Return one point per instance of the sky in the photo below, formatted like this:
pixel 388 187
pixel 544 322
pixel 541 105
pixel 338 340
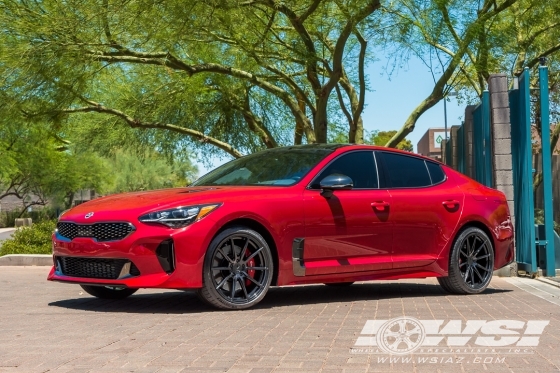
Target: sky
pixel 389 101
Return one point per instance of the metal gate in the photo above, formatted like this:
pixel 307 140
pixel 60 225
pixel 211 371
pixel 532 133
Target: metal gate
pixel 529 247
pixel 521 147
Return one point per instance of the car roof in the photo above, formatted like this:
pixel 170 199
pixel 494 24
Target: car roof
pixel 345 147
pixel 393 150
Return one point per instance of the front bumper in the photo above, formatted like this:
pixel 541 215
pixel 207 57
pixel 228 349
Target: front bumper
pixel 140 248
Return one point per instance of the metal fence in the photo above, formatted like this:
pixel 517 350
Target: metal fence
pixel 539 192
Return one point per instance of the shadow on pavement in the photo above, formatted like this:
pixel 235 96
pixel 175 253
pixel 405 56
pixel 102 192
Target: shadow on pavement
pixel 178 302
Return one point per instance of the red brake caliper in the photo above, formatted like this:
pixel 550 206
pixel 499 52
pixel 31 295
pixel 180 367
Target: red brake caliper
pixel 250 263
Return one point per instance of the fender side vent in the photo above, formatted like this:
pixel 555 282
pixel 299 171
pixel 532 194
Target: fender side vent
pixel 166 255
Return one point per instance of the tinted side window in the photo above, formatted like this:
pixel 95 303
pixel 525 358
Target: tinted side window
pixel 405 172
pixel 436 172
pixel 359 166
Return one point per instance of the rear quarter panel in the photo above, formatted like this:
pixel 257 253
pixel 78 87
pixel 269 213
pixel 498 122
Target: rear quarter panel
pixel 487 207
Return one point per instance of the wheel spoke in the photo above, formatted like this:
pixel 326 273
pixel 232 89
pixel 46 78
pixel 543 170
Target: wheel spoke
pixel 478 273
pixel 462 252
pixel 408 342
pixel 416 330
pixel 482 257
pixel 253 255
pixel 233 286
pixel 463 264
pixel 257 268
pixel 467 273
pixel 244 289
pixel 254 281
pixel 233 250
pixel 402 326
pixel 481 267
pixel 220 268
pixel 224 281
pixel 390 333
pixel 225 256
pixel 478 250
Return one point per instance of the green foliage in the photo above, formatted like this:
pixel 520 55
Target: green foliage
pixel 539 219
pixel 132 173
pixel 185 75
pixel 35 239
pixel 382 137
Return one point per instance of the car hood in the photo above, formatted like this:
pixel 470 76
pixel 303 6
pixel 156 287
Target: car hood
pixel 132 205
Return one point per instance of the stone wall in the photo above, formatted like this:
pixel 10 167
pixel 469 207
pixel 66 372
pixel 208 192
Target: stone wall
pixel 501 145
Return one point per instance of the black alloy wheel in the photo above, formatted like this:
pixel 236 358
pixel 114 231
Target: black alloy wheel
pixel 109 292
pixel 238 269
pixel 471 263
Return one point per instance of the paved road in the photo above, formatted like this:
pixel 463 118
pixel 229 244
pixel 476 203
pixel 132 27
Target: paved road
pixel 6 233
pixel 48 327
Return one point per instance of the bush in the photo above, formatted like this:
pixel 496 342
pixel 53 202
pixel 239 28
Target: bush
pixel 539 219
pixel 7 219
pixel 35 239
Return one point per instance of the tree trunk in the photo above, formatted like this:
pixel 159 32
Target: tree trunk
pixel 298 134
pixel 410 123
pixel 320 121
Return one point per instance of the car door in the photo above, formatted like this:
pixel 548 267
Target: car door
pixel 350 231
pixel 425 208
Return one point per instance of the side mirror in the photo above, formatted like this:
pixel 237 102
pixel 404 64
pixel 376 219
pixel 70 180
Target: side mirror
pixel 335 182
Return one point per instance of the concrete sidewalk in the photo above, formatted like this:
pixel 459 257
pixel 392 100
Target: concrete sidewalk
pixel 53 327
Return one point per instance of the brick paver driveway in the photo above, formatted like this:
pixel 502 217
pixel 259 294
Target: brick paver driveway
pixel 56 327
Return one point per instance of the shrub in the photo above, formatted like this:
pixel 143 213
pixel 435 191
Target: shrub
pixel 539 219
pixel 35 239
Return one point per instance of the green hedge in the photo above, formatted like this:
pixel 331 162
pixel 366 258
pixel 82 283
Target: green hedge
pixel 30 240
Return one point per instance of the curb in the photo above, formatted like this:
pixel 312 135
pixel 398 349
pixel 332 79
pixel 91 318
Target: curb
pixel 547 281
pixel 26 260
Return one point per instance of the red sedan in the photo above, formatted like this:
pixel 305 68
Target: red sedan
pixel 330 214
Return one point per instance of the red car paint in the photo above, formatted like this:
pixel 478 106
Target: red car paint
pixel 365 235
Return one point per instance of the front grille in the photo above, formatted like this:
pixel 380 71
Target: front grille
pixel 98 231
pixel 95 267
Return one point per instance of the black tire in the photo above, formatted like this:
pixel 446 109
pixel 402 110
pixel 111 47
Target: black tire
pixel 108 292
pixel 471 263
pixel 339 284
pixel 238 269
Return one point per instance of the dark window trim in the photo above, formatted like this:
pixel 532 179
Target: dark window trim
pixel 340 155
pixel 429 174
pixel 442 170
pixel 385 171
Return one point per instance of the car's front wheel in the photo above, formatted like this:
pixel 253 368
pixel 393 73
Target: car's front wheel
pixel 109 292
pixel 238 269
pixel 471 263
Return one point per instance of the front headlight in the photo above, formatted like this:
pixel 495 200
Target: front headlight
pixel 178 217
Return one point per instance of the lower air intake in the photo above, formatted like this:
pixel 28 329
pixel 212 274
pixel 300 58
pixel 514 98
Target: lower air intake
pixel 110 269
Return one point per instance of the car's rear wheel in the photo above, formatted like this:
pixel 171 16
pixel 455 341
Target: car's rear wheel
pixel 471 263
pixel 238 269
pixel 109 292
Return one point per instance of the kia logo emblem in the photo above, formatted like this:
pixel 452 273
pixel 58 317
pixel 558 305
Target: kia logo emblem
pixel 89 215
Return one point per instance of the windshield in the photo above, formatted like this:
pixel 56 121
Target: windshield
pixel 270 167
